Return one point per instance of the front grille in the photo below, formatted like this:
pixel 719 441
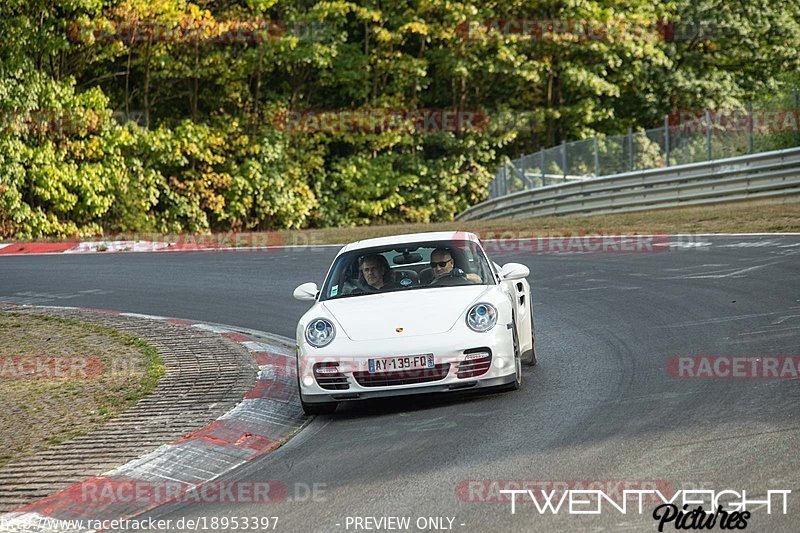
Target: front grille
pixel 402 377
pixel 467 370
pixel 333 382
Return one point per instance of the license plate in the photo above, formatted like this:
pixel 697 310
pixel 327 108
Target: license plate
pixel 408 362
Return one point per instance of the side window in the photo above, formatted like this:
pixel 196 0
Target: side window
pixel 338 279
pixel 471 264
pixel 348 278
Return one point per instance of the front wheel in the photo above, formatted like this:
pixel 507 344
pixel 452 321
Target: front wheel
pixel 515 385
pixel 324 408
pixel 533 361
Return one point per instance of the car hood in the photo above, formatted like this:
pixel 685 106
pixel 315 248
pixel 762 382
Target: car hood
pixel 418 312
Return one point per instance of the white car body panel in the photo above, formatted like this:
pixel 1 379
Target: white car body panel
pixel 421 312
pixel 415 322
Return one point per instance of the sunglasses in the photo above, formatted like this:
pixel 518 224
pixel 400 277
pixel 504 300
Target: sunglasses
pixel 440 264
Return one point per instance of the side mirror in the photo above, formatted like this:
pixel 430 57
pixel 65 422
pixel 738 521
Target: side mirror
pixel 306 291
pixel 511 271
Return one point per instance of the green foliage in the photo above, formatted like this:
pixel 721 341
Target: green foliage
pixel 166 115
pixel 647 154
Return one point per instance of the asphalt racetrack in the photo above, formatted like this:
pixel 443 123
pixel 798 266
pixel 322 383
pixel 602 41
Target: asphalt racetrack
pixel 604 405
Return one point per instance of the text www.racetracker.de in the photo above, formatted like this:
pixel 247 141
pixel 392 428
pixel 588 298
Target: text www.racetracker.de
pixel 202 523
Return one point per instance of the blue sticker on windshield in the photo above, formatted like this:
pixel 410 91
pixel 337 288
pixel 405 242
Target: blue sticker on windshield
pixel 334 290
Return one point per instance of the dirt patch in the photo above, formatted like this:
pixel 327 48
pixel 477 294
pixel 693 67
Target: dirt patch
pixel 61 378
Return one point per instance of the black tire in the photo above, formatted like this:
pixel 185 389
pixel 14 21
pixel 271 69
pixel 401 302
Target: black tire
pixel 533 361
pixel 515 385
pixel 324 408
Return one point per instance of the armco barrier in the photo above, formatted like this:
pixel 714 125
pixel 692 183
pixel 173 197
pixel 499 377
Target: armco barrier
pixel 763 175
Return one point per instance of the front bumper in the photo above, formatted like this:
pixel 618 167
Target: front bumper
pixel 438 387
pixel 447 348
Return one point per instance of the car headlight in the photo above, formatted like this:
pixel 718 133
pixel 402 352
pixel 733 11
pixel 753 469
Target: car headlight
pixel 482 317
pixel 320 332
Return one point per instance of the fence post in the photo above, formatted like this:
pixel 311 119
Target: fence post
pixel 708 135
pixel 749 127
pixel 564 158
pixel 630 148
pixel 524 176
pixel 596 158
pixel 505 176
pixel 666 140
pixel 502 177
pixel 541 159
pixel 796 105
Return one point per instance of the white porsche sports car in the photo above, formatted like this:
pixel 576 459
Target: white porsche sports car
pixel 411 314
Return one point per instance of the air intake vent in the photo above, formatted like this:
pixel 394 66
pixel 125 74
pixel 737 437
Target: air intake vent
pixel 477 361
pixel 402 377
pixel 328 376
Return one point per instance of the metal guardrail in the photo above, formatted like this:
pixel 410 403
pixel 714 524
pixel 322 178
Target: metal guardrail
pixel 763 175
pixel 687 136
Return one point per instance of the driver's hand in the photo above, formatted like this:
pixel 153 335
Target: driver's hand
pixel 474 277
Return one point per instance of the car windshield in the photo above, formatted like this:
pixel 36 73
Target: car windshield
pixel 407 267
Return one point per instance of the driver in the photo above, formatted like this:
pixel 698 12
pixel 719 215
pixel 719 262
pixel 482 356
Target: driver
pixel 442 264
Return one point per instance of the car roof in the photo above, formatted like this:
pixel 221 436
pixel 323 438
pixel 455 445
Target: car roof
pixel 409 238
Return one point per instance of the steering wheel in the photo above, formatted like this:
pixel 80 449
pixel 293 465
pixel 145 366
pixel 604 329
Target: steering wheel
pixel 356 287
pixel 453 277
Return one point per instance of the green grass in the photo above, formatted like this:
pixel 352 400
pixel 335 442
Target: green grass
pixel 752 217
pixel 741 217
pixel 39 412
